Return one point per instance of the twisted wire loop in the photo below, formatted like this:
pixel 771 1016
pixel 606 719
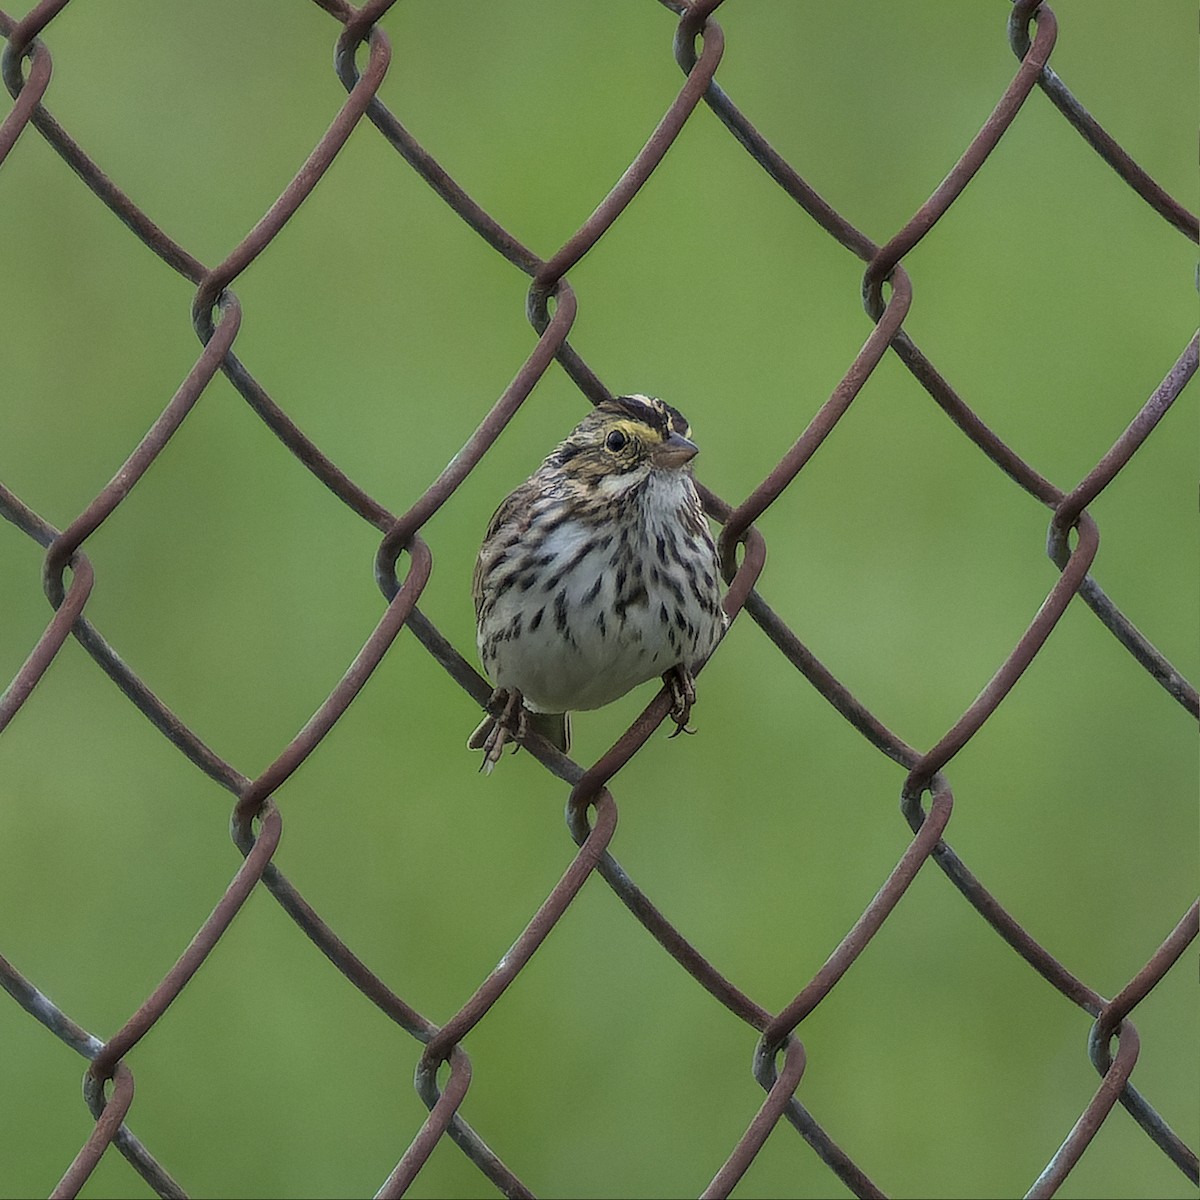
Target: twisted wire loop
pixel 591 811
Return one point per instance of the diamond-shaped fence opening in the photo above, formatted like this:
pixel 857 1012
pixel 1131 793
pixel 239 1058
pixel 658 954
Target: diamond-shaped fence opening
pixel 270 599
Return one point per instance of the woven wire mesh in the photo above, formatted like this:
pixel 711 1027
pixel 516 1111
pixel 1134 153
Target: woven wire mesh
pixel 408 532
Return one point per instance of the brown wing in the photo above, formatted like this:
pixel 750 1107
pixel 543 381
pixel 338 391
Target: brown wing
pixel 505 529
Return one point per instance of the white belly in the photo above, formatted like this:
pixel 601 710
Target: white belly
pixel 605 617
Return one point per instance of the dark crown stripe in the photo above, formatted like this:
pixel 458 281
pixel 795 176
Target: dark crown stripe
pixel 662 418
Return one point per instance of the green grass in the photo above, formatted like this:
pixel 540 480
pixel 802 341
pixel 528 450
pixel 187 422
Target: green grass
pixel 1050 296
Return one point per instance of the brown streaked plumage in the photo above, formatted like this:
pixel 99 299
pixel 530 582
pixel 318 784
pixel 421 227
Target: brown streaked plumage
pixel 597 574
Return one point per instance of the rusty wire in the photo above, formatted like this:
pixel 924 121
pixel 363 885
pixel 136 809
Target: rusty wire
pixel 591 811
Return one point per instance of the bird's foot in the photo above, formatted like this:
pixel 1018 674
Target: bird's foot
pixel 507 721
pixel 682 687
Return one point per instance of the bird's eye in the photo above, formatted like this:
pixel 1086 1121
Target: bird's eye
pixel 616 440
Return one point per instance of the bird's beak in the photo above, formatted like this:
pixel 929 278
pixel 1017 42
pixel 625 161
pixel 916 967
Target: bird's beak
pixel 674 452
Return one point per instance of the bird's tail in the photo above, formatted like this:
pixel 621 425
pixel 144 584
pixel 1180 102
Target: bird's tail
pixel 554 727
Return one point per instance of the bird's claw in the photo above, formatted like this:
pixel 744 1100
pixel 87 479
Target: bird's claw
pixel 682 689
pixel 507 722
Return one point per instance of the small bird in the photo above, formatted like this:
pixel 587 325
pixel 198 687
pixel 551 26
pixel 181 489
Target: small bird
pixel 598 573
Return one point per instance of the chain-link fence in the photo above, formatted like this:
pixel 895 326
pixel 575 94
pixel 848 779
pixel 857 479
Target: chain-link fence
pixel 406 553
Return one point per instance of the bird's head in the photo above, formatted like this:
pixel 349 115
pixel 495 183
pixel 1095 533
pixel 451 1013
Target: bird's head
pixel 625 439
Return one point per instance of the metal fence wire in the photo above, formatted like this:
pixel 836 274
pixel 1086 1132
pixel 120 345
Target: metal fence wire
pixel 443 1076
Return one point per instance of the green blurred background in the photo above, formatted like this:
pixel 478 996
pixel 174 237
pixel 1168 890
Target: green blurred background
pixel 1050 296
